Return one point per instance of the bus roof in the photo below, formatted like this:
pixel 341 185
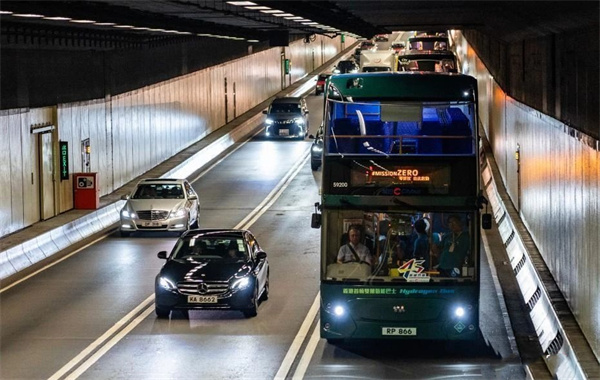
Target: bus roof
pixel 410 86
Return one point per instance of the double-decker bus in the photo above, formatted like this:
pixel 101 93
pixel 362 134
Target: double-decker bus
pixel 401 171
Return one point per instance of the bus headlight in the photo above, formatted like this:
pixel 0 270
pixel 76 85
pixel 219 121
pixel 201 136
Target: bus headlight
pixel 338 311
pixel 459 311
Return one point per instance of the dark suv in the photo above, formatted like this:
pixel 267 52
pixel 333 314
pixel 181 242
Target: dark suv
pixel 287 117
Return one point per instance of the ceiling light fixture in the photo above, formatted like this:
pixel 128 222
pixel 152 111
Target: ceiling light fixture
pixel 257 8
pixel 57 18
pixel 82 21
pixel 27 15
pixel 241 3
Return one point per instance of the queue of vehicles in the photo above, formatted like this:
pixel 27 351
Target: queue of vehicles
pixel 227 268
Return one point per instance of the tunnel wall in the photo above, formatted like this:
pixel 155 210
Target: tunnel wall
pixel 134 131
pixel 554 185
pixel 556 74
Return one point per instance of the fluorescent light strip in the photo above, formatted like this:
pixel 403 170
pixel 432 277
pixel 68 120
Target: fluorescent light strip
pixel 257 8
pixel 82 21
pixel 57 18
pixel 283 14
pixel 27 15
pixel 241 3
pixel 272 11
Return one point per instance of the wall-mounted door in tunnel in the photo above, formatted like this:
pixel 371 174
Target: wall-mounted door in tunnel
pixel 46 175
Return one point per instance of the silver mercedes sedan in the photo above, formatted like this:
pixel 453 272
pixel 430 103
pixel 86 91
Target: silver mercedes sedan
pixel 160 204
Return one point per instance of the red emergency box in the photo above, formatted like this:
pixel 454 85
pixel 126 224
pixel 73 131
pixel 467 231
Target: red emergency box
pixel 86 192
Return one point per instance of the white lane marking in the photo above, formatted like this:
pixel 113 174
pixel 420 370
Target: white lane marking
pixel 94 358
pixel 288 360
pixel 261 209
pixel 273 195
pixel 54 263
pixel 98 342
pixel 308 353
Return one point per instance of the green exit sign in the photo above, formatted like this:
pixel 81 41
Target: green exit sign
pixel 64 160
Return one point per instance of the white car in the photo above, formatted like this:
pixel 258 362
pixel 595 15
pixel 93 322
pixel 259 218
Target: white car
pixel 160 204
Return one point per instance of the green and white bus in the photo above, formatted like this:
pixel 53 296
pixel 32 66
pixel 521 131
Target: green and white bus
pixel 401 171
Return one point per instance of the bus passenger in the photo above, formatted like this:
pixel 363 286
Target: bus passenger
pixel 455 247
pixel 354 250
pixel 421 245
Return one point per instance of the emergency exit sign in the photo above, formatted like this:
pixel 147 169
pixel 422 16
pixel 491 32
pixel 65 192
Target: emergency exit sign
pixel 64 160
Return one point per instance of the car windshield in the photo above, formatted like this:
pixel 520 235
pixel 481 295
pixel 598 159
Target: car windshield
pixel 211 247
pixel 285 108
pixel 154 191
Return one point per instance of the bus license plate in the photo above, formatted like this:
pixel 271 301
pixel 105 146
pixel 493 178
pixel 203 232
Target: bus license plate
pixel 284 132
pixel 400 331
pixel 202 299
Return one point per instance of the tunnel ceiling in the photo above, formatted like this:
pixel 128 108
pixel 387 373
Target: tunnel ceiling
pixel 261 20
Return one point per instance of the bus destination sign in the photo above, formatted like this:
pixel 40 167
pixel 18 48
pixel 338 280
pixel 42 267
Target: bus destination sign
pixel 396 180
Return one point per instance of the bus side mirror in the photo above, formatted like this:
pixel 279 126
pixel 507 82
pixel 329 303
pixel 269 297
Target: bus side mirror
pixel 315 221
pixel 486 221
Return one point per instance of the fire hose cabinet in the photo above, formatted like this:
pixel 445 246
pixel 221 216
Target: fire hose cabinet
pixel 86 193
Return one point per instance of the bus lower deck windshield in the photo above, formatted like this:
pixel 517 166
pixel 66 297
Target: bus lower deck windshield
pixel 406 246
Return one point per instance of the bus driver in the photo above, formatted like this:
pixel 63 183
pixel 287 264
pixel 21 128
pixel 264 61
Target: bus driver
pixel 354 250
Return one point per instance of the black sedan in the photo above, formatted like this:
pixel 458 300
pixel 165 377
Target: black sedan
pixel 213 269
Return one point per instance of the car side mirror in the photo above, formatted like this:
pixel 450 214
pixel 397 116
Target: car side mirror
pixel 162 255
pixel 311 136
pixel 125 197
pixel 261 255
pixel 486 221
pixel 265 112
pixel 193 197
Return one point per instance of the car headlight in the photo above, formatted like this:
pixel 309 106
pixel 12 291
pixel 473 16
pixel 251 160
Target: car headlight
pixel 268 121
pixel 240 283
pixel 317 148
pixel 128 213
pixel 166 284
pixel 178 213
pixel 299 121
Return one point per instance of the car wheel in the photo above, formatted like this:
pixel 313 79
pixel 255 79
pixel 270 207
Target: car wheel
pixel 162 313
pixel 125 233
pixel 265 295
pixel 314 165
pixel 252 311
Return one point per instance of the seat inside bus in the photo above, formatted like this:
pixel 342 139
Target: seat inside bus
pixel 361 131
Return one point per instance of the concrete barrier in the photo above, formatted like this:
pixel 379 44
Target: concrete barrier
pixel 558 352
